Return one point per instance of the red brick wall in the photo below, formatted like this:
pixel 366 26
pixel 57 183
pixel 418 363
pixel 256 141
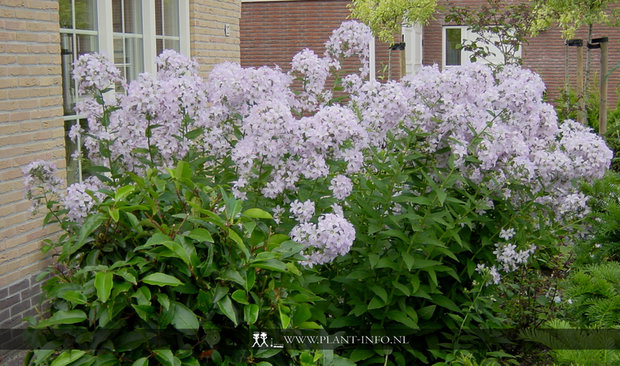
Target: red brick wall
pixel 543 54
pixel 273 32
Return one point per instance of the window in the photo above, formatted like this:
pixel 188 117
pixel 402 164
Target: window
pixel 452 55
pixel 128 37
pixel 133 32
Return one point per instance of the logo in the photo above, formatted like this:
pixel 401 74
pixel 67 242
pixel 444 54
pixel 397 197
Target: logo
pixel 260 341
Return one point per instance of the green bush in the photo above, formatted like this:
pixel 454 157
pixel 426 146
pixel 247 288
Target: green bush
pixel 159 273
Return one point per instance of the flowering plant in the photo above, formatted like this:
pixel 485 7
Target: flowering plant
pixel 406 187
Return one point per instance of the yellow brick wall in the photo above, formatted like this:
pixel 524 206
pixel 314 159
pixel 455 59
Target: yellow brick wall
pixel 31 128
pixel 209 44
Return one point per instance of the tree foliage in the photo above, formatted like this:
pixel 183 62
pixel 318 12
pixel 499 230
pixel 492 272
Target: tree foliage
pixel 385 17
pixel 570 15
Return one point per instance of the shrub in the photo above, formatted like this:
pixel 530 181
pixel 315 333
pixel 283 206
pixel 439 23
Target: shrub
pixel 216 209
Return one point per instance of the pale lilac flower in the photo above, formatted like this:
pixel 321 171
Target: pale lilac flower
pixel 40 180
pixel 341 187
pixel 507 234
pixel 313 72
pixel 302 211
pixel 94 73
pixel 333 236
pixel 81 198
pixel 352 38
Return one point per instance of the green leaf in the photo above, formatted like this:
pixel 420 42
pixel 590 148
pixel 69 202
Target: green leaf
pixel 157 238
pixel 271 264
pixel 240 244
pixel 360 354
pixel 178 250
pixel 302 313
pixel 201 235
pixel 445 302
pixel 232 275
pixel 143 361
pixel 240 296
pixel 67 357
pixel 183 171
pixel 161 279
pixel 91 224
pixel 183 317
pixel 103 284
pixel 375 303
pixel 425 263
pixel 75 297
pixel 427 312
pixel 63 317
pixel 408 259
pixel 441 195
pixel 114 213
pixel 380 291
pixel 285 320
pixel 257 213
pixel 227 308
pixel 250 313
pixel 402 288
pixel 123 192
pixel 164 356
pixel 194 133
pixel 402 318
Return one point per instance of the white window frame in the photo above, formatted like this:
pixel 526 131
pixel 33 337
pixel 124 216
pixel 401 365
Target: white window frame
pixel 106 34
pixel 466 34
pixel 444 39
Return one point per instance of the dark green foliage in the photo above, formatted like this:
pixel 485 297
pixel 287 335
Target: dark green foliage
pixel 170 271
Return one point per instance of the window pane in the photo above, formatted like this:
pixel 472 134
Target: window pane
pixel 86 44
pixel 68 87
pixel 65 14
pixel 160 46
pixel 172 44
pixel 117 16
pixel 171 18
pixel 85 14
pixel 453 39
pixel 119 51
pixel 158 18
pixel 134 59
pixel 133 16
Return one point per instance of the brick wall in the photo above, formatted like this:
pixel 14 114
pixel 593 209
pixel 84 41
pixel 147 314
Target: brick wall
pixel 31 128
pixel 209 44
pixel 273 32
pixel 543 54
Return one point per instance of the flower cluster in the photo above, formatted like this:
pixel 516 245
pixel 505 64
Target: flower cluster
pixel 81 198
pixel 94 72
pixel 341 187
pixel 352 38
pixel 333 236
pixel 41 178
pixel 313 72
pixel 510 258
pixel 302 211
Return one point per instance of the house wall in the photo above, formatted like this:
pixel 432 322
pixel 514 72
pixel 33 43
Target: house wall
pixel 272 32
pixel 31 128
pixel 209 43
pixel 543 54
